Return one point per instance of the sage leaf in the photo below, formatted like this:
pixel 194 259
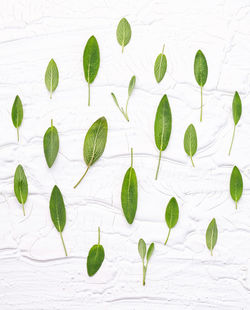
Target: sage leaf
pixel 95 257
pixel 236 185
pixel 58 212
pixel 236 109
pixel 91 62
pixel 211 235
pixel 162 127
pixel 160 66
pixel 190 142
pixel 129 193
pixel 17 114
pixel 130 90
pixel 21 186
pixel 142 249
pixel 94 143
pixel 123 33
pixel 171 215
pixel 51 145
pixel 200 72
pixel 51 77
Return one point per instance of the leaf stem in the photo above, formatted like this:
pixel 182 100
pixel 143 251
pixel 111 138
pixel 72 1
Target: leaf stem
pixel 144 274
pixel 236 204
pixel 201 105
pixel 192 160
pixel 163 49
pixel 211 252
pixel 122 48
pixel 24 209
pixel 51 122
pixel 17 133
pixel 63 244
pixel 50 94
pixel 126 110
pixel 82 177
pixel 158 166
pixel 98 235
pixel 131 157
pixel 232 141
pixel 88 94
pixel 167 236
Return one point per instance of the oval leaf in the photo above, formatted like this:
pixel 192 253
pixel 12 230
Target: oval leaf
pixel 211 235
pixel 200 68
pixel 142 248
pixel 17 114
pixel 51 77
pixel 57 209
pixel 95 259
pixel 160 66
pixel 190 141
pixel 129 193
pixel 51 144
pixel 123 33
pixel 236 185
pixel 91 60
pixel 150 251
pixel 20 186
pixel 131 85
pixel 236 108
pixel 172 213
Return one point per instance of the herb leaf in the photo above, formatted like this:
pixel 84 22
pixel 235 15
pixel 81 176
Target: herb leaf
pixel 211 235
pixel 200 72
pixel 236 109
pixel 51 77
pixel 17 114
pixel 91 62
pixel 236 185
pixel 123 33
pixel 162 127
pixel 94 143
pixel 171 215
pixel 58 212
pixel 150 251
pixel 142 251
pixel 21 186
pixel 51 144
pixel 160 66
pixel 190 142
pixel 142 248
pixel 129 193
pixel 95 257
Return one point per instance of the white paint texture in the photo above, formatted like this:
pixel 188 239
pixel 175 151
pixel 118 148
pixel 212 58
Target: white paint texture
pixel 34 274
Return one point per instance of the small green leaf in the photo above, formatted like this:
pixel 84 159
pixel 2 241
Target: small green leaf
pixel 236 185
pixel 211 235
pixel 142 248
pixel 171 215
pixel 58 212
pixel 129 193
pixel 51 77
pixel 162 127
pixel 94 143
pixel 150 251
pixel 131 85
pixel 91 62
pixel 190 142
pixel 123 33
pixel 160 66
pixel 236 109
pixel 21 186
pixel 17 114
pixel 95 257
pixel 51 144
pixel 200 72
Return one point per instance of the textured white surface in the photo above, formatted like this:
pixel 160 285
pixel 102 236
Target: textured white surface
pixel 34 274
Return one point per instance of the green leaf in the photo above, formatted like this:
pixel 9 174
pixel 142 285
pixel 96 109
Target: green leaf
pixel 20 186
pixel 162 127
pixel 172 213
pixel 142 248
pixel 51 144
pixel 131 85
pixel 160 66
pixel 200 72
pixel 150 251
pixel 17 114
pixel 51 77
pixel 190 142
pixel 95 257
pixel 58 212
pixel 236 185
pixel 94 143
pixel 211 235
pixel 123 33
pixel 91 62
pixel 236 109
pixel 129 193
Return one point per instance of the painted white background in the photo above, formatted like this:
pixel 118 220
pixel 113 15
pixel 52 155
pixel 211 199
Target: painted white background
pixel 34 274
